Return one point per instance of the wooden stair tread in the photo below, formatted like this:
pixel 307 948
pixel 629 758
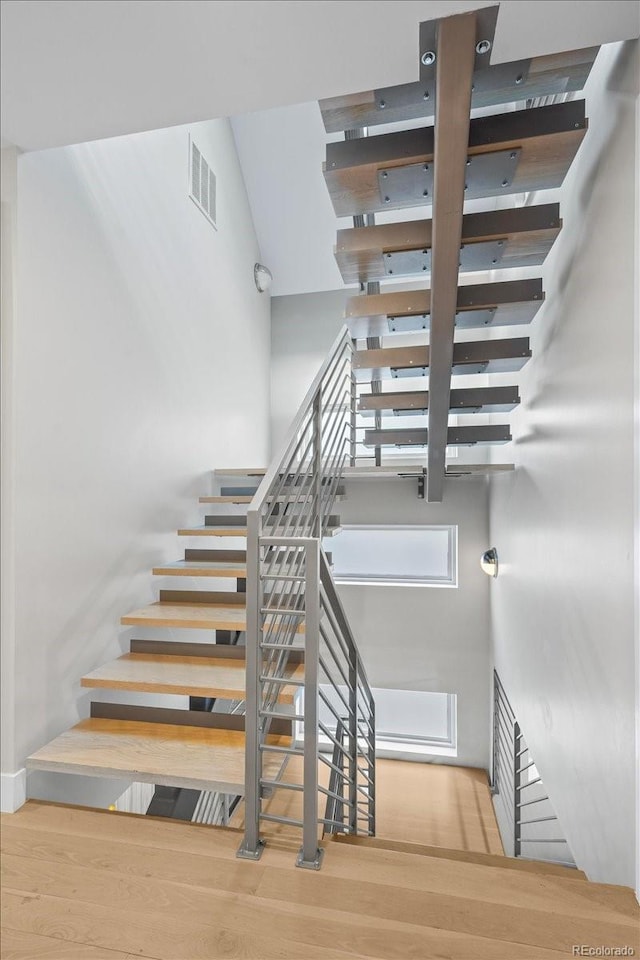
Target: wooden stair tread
pixel 481 305
pixel 240 471
pixel 190 676
pixel 546 75
pixel 226 499
pixel 456 436
pixel 199 758
pixel 195 568
pixel 469 400
pixel 469 356
pixel 468 856
pixel 210 531
pixel 548 139
pixel 526 235
pixel 199 616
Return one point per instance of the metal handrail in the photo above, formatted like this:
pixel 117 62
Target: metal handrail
pixel 292 602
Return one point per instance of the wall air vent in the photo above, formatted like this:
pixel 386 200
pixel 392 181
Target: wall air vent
pixel 202 183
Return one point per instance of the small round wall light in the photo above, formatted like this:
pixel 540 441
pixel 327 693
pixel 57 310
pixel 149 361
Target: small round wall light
pixel 489 562
pixel 262 276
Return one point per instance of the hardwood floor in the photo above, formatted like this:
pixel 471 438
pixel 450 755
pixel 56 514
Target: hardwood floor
pixel 82 884
pixel 431 804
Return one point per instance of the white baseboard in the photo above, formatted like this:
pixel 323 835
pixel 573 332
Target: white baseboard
pixel 14 790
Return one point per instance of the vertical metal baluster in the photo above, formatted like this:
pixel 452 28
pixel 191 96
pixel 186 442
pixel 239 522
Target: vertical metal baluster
pixel 353 741
pixel 310 854
pixel 252 846
pixel 316 476
pixel 517 789
pixel 372 770
pixel 496 719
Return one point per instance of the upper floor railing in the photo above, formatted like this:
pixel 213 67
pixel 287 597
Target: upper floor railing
pixel 293 611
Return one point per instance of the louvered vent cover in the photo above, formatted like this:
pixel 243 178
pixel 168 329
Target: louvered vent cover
pixel 202 183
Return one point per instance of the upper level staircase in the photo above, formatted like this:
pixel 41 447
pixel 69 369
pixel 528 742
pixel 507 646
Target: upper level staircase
pixel 475 132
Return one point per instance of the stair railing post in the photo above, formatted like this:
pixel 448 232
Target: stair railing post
pixel 353 397
pixel 353 741
pixel 496 719
pixel 517 790
pixel 316 478
pixel 252 846
pixel 310 855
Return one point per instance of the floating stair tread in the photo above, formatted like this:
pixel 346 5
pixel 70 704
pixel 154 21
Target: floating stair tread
pixel 211 531
pixel 468 856
pixel 469 357
pixel 197 616
pixel 195 568
pixel 200 758
pixel 457 436
pixel 479 399
pixel 526 235
pixel 240 471
pixel 548 139
pixel 508 303
pixel 226 499
pixel 405 470
pixel 188 676
pixel 555 73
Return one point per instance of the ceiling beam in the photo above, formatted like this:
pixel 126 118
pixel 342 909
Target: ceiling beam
pixel 455 59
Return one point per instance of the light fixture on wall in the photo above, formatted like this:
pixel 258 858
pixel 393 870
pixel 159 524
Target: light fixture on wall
pixel 489 562
pixel 262 277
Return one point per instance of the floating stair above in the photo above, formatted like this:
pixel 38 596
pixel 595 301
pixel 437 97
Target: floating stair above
pixel 498 239
pixel 469 357
pixel 479 305
pixel 470 400
pixel 514 152
pixel 557 73
pixel 456 436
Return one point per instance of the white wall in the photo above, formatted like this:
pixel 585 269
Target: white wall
pixel 11 786
pixel 563 604
pixel 429 638
pixel 141 362
pixel 302 331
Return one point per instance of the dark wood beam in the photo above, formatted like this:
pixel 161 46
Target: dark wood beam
pixel 454 75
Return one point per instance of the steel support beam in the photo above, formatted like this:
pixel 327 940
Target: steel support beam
pixel 455 58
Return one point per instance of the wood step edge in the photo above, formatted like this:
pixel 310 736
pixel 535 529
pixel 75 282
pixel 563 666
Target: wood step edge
pixel 467 856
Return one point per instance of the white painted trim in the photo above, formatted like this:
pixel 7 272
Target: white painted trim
pixel 13 790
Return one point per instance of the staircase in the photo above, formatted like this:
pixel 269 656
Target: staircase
pixel 282 646
pixel 441 298
pixel 196 748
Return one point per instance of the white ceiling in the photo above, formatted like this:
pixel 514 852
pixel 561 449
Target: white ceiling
pixel 76 70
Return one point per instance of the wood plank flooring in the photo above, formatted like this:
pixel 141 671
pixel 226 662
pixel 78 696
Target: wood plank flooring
pixel 88 884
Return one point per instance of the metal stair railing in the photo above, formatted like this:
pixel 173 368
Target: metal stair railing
pixel 531 816
pixel 292 605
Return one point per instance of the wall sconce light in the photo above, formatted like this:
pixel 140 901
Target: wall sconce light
pixel 262 277
pixel 489 562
